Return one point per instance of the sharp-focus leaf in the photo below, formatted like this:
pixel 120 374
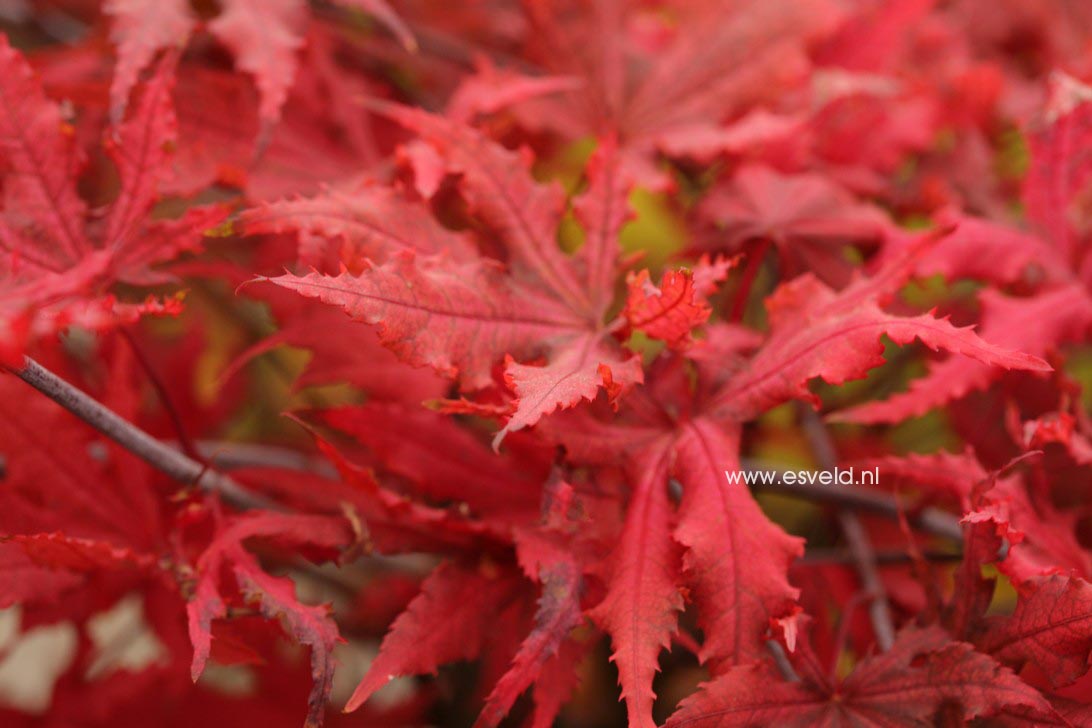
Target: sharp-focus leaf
pixel 817 333
pixel 459 318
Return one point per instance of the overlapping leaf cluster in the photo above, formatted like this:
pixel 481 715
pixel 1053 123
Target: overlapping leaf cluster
pixel 529 280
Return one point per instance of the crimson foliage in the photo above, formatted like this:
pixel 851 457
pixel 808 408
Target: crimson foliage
pixel 530 280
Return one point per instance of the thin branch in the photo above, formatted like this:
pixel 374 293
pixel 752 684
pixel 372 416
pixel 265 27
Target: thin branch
pixel 228 455
pixel 841 635
pixel 162 457
pixel 879 610
pixel 782 661
pixel 844 556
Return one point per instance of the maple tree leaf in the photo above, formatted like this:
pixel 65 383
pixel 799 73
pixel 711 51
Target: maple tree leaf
pixel 497 184
pixel 449 620
pixel 983 543
pixel 978 248
pixel 1038 536
pixel 443 625
pixel 353 355
pixel 669 312
pixel 264 38
pixel 756 130
pixel 954 475
pixel 816 332
pixel 476 312
pixel 557 614
pixel 1050 628
pixel 391 522
pixel 556 683
pixel 491 89
pixel 460 469
pixel 736 559
pixel 922 673
pixel 575 374
pixel 42 192
pixel 141 29
pixel 741 565
pixel 1061 427
pixel 554 554
pixel 26 582
pixel 685 92
pixel 274 596
pixel 809 218
pixel 365 222
pixel 60 552
pixel 341 350
pixel 50 261
pixel 1057 174
pixel 453 317
pixel 643 598
pixel 1061 315
pixel 306 150
pixel 270 57
pixel 603 210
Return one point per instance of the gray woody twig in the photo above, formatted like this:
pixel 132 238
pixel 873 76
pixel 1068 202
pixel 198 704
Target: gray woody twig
pixel 879 610
pixel 159 455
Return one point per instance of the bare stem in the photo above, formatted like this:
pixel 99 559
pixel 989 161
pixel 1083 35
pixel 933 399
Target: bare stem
pixel 879 611
pixel 782 661
pixel 864 557
pixel 162 457
pixel 228 456
pixel 820 556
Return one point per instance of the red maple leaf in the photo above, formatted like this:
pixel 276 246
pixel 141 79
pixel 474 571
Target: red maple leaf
pixel 480 221
pixel 55 264
pixel 461 312
pixel 923 676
